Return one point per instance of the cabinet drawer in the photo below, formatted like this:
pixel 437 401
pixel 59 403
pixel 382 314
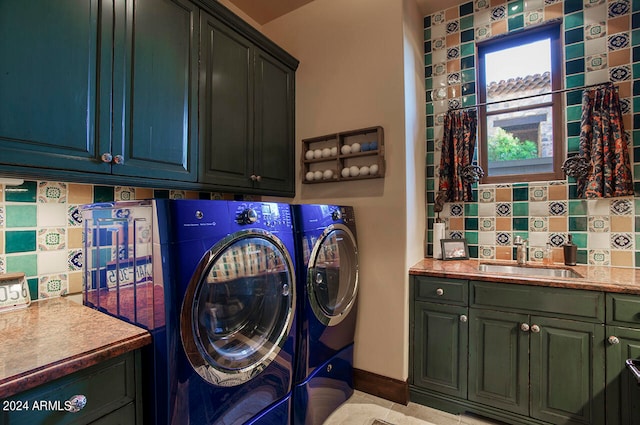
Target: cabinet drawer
pixel 536 299
pixel 623 309
pixel 107 387
pixel 446 291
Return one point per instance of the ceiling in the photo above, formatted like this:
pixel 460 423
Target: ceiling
pixel 264 11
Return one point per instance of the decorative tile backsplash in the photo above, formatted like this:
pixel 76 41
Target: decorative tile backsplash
pixel 41 229
pixel 601 42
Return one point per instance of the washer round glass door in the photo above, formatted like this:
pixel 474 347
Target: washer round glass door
pixel 332 282
pixel 239 308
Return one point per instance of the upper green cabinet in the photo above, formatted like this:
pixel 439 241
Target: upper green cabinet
pixel 49 85
pixel 133 91
pixel 247 113
pixel 100 86
pixel 155 96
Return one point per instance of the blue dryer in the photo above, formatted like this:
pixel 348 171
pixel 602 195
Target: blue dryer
pixel 327 293
pixel 214 282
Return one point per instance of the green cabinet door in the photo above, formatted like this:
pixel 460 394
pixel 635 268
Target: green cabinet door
pixel 246 113
pixel 499 359
pixel 439 355
pixel 623 392
pixel 567 371
pixel 226 99
pixel 274 125
pixel 55 67
pixel 155 89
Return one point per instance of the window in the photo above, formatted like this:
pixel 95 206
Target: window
pixel 520 117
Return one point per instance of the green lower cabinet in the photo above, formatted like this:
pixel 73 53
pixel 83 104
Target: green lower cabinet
pixel 499 360
pixel 440 348
pixel 535 355
pixel 623 392
pixel 112 391
pixel 567 371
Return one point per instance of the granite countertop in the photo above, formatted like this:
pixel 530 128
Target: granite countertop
pixel 55 337
pixel 594 278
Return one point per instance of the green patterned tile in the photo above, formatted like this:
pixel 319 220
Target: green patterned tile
pixel 26 263
pixel 575 80
pixel 467 49
pixel 580 239
pixel 471 237
pixel 635 70
pixel 427 34
pixel 516 23
pixel 466 22
pixel 468 75
pixel 636 141
pixel 470 209
pixel 635 37
pixel 515 7
pixel 520 223
pixel 33 288
pixel 427 59
pixel 582 256
pixel 574 113
pixel 21 216
pixel 578 207
pixel 473 251
pixel 574 51
pixel 577 224
pixel 520 209
pixel 573 144
pixel 26 192
pixel 430 158
pixel 103 193
pixel 520 193
pixel 469 100
pixel 429 108
pixel 471 223
pixel 19 241
pixel 430 184
pixel 573 20
pixel 636 104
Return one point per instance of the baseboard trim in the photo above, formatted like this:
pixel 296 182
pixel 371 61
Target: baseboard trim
pixel 381 386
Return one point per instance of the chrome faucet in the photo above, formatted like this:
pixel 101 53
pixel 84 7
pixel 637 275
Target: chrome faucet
pixel 521 250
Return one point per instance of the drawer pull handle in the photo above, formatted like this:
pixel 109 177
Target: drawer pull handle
pixel 106 157
pixel 524 327
pixel 439 292
pixel 613 340
pixel 463 318
pixel 535 328
pixel 76 403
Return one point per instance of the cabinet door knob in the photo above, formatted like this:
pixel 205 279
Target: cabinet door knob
pixel 76 403
pixel 254 177
pixel 535 328
pixel 463 318
pixel 524 327
pixel 107 157
pixel 118 160
pixel 613 340
pixel 439 292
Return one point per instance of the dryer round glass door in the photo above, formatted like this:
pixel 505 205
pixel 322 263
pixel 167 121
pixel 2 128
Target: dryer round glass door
pixel 332 281
pixel 239 308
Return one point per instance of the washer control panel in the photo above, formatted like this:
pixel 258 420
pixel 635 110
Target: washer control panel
pixel 267 214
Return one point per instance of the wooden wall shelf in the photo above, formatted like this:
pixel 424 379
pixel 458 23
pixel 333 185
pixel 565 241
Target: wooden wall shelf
pixel 349 155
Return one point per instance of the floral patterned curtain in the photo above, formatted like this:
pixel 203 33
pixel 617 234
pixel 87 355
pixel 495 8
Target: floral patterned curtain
pixel 603 144
pixel 458 147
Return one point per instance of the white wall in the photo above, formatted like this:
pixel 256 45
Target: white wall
pixel 352 75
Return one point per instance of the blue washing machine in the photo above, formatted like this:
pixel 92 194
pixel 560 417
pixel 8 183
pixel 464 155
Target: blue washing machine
pixel 327 308
pixel 214 282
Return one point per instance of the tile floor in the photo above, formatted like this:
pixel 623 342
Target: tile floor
pixel 365 409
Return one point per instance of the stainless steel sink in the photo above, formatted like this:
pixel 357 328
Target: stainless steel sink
pixel 524 270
